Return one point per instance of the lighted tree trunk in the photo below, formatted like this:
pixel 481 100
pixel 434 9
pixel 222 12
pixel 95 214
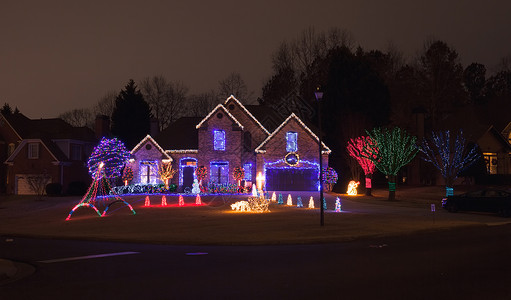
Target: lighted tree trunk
pixel 392 188
pixel 368 184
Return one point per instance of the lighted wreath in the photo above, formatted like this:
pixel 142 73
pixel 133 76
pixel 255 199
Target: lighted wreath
pixel 292 159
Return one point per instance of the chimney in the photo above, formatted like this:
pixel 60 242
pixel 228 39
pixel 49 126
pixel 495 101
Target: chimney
pixel 102 126
pixel 154 128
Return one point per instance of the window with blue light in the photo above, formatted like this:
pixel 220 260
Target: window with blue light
pixel 247 168
pixel 291 141
pixel 219 140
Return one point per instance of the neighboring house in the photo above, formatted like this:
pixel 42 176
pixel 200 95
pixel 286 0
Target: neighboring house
pixel 230 136
pixel 50 147
pixel 479 127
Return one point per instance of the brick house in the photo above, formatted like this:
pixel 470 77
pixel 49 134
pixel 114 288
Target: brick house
pixel 36 147
pixel 230 136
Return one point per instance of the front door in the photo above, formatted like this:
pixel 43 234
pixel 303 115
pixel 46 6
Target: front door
pixel 188 176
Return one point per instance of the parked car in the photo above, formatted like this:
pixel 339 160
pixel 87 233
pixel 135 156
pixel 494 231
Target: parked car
pixel 486 200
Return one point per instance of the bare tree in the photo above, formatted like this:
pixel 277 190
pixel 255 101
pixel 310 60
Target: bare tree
pixel 105 106
pixel 300 53
pixel 233 84
pixel 166 99
pixel 200 105
pixel 38 183
pixel 79 117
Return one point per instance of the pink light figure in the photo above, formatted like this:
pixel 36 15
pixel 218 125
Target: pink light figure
pixel 181 200
pixel 163 200
pixel 198 201
pixel 147 201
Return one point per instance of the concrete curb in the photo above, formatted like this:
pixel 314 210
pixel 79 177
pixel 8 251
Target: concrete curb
pixel 11 271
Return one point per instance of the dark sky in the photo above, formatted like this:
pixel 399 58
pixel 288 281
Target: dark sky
pixel 59 55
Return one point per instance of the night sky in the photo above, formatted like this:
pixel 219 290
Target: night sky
pixel 60 55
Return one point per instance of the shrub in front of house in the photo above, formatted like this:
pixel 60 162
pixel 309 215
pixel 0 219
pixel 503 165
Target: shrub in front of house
pixel 77 188
pixel 222 188
pixel 53 189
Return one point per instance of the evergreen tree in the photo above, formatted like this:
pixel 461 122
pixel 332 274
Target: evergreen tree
pixel 131 116
pixel 6 110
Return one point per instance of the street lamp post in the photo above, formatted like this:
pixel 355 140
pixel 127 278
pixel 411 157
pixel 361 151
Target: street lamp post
pixel 319 96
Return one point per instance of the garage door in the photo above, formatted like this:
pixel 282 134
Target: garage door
pixel 291 179
pixel 22 187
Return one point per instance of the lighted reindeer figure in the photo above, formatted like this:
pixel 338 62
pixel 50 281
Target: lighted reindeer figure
pixel 166 173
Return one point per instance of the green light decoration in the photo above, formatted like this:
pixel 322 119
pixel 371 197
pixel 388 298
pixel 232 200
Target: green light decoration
pixel 390 151
pixel 449 156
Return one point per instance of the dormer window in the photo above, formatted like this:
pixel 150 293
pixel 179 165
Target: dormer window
pixel 291 141
pixel 219 140
pixel 33 150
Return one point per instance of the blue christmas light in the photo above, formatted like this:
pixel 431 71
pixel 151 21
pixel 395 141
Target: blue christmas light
pixel 449 157
pixel 299 202
pixel 219 140
pixel 291 141
pixel 280 201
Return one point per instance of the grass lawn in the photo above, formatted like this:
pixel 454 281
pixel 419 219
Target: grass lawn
pixel 216 224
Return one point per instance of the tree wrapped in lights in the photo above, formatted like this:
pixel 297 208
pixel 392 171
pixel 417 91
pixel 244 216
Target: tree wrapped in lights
pixel 166 173
pixel 329 177
pixel 390 150
pixel 127 174
pixel 355 149
pixel 238 173
pixel 448 156
pixel 201 173
pixel 112 153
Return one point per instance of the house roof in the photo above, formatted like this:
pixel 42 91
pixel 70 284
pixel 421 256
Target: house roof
pixel 55 128
pixel 217 108
pixel 180 135
pixel 46 131
pixel 232 98
pixel 259 149
pixel 474 121
pixel 149 139
pixel 266 115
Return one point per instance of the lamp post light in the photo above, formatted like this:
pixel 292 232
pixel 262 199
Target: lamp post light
pixel 319 96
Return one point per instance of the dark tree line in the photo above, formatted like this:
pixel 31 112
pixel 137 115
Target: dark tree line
pixel 364 89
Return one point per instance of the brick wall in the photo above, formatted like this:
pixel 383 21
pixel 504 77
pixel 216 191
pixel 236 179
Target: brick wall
pixel 233 143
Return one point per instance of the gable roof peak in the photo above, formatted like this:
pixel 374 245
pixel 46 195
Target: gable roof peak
pixel 151 140
pixel 231 97
pixel 325 150
pixel 219 106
